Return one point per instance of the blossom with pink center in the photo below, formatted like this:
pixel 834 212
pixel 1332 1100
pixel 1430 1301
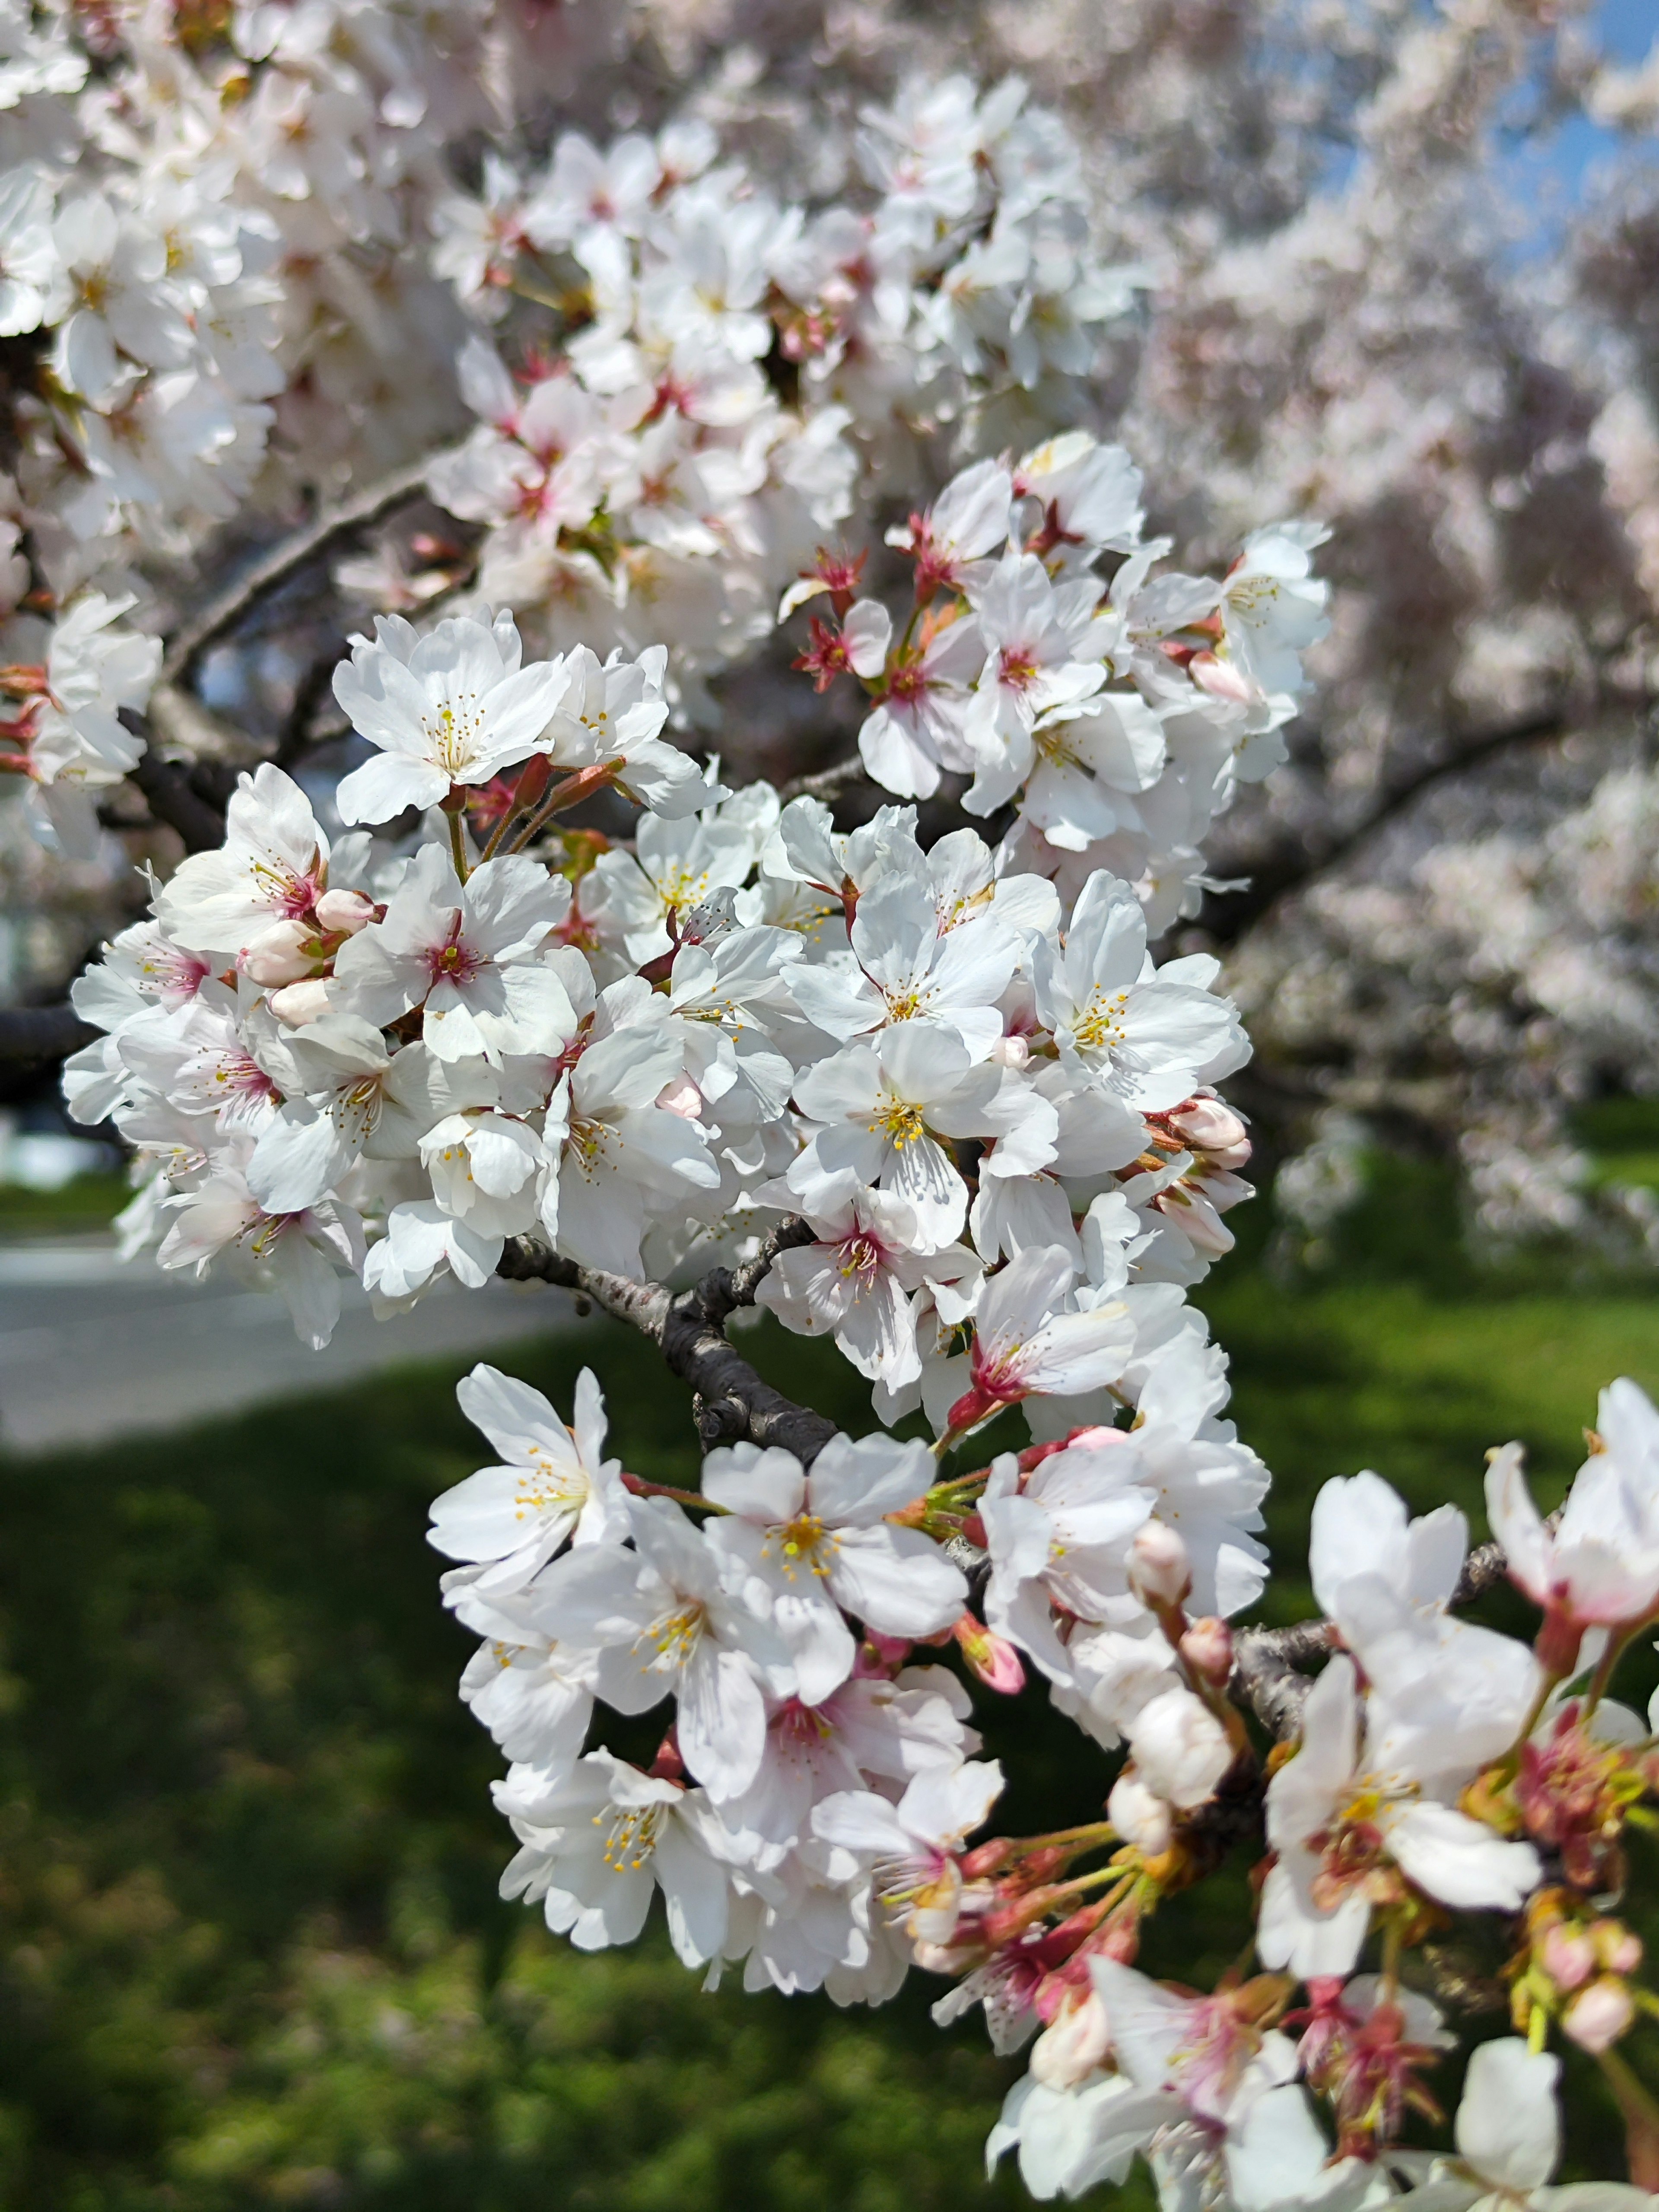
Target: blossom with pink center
pixel 200 1060
pixel 819 1541
pixel 470 955
pixel 272 866
pixel 294 1254
pixel 855 1280
pixel 918 724
pixel 914 1847
pixel 969 519
pixel 1026 1341
pixel 1213 2052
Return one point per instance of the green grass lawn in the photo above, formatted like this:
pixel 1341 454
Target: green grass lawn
pixel 250 1949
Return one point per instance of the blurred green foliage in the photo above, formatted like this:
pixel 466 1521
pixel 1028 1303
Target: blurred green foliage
pixel 251 1953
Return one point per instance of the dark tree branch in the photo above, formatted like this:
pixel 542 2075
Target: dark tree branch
pixel 42 1033
pixel 1267 1677
pixel 174 799
pixel 227 608
pixel 732 1401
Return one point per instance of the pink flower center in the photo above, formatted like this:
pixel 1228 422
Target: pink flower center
pixel 454 961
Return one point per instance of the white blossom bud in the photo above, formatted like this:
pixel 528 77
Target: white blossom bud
pixel 1074 2043
pixel 301 1003
pixel 1599 2015
pixel 681 1096
pixel 1567 1956
pixel 1009 1052
pixel 1207 1649
pixel 1213 1129
pixel 1140 1816
pixel 276 956
pixel 1179 1748
pixel 1159 1568
pixel 344 910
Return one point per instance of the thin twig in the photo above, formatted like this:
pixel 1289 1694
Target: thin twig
pixel 828 784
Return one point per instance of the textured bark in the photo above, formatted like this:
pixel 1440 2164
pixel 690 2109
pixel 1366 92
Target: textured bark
pixel 732 1403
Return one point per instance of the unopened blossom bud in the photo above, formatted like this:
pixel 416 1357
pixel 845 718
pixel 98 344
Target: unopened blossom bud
pixel 1159 1568
pixel 1599 2015
pixel 1567 1956
pixel 681 1096
pixel 987 1858
pixel 300 1003
pixel 1207 1649
pixel 346 911
pixel 1140 1816
pixel 990 1657
pixel 1214 1129
pixel 1220 678
pixel 1179 1748
pixel 1074 2045
pixel 277 954
pixel 1618 1948
pixel 1009 1052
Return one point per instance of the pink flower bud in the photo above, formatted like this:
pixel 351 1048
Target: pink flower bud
pixel 1567 1956
pixel 344 910
pixel 991 1657
pixel 300 1003
pixel 1076 2044
pixel 1618 1948
pixel 1219 678
pixel 1159 1569
pixel 1207 1649
pixel 681 1096
pixel 1140 1816
pixel 276 956
pixel 1211 1128
pixel 1009 1052
pixel 1599 2015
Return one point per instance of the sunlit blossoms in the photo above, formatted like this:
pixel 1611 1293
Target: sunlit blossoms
pixel 492 959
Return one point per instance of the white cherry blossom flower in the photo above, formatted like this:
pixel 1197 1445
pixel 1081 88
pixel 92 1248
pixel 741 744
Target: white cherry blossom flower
pixel 557 1486
pixel 294 1254
pixel 914 1845
pixel 272 866
pixel 597 1847
pixel 818 1542
pixel 854 1282
pixel 454 707
pixel 1354 1799
pixel 1060 1541
pixel 469 955
pixel 665 1617
pixel 1153 1037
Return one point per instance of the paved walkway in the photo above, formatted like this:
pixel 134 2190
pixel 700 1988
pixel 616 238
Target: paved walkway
pixel 91 1348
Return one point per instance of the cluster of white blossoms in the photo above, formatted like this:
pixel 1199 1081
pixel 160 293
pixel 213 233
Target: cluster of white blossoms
pixel 947 1110
pixel 816 1810
pixel 927 1094
pixel 732 368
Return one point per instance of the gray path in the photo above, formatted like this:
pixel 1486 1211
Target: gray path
pixel 91 1348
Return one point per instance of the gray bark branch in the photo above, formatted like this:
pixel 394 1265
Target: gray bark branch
pixel 221 612
pixel 732 1403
